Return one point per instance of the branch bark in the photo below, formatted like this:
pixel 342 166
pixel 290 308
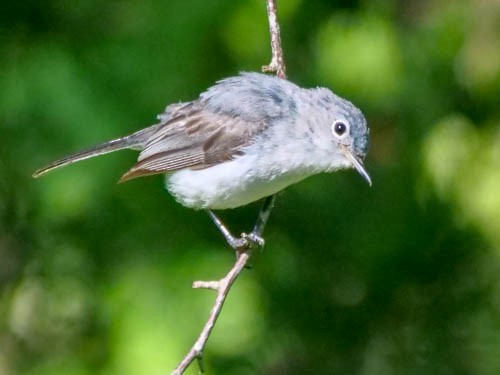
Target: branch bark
pixel 277 64
pixel 223 286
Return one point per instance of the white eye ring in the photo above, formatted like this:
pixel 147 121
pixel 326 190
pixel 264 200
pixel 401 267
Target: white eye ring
pixel 340 129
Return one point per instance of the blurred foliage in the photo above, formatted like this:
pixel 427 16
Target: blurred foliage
pixel 402 278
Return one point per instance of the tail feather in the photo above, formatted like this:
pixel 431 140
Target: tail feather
pixel 104 148
pixel 136 140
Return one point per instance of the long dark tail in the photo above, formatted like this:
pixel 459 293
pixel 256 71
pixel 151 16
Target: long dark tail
pixel 133 141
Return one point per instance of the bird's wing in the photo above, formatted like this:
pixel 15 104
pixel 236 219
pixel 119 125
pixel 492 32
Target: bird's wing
pixel 195 137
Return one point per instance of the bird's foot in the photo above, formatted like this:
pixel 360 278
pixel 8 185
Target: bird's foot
pixel 246 241
pixel 253 240
pixel 240 244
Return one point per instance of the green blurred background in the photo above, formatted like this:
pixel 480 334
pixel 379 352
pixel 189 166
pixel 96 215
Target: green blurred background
pixel 400 278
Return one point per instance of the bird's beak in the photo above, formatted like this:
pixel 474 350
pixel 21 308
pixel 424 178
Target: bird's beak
pixel 358 164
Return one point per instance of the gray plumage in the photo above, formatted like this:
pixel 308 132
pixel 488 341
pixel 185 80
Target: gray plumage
pixel 286 131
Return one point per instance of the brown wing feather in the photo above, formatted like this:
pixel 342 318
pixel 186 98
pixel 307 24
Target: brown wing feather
pixel 193 138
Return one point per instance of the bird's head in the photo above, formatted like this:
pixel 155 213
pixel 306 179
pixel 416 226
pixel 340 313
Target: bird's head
pixel 345 131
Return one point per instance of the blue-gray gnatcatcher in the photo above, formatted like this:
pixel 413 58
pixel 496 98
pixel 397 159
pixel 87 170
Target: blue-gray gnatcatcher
pixel 245 138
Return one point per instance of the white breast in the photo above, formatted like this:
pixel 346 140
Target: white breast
pixel 228 185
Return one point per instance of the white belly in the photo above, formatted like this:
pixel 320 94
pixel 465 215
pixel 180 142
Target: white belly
pixel 230 184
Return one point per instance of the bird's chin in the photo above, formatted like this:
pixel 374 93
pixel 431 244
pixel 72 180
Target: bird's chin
pixel 335 162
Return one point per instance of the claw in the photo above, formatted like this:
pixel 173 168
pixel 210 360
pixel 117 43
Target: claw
pixel 253 240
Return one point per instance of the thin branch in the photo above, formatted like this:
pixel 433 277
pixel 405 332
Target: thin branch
pixel 223 286
pixel 277 64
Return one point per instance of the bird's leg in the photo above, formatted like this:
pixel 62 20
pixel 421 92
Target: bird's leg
pixel 261 221
pixel 252 239
pixel 255 236
pixel 236 243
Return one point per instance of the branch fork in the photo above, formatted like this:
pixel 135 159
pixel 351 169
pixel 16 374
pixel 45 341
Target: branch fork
pixel 222 288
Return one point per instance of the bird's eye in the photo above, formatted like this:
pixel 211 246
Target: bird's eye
pixel 340 128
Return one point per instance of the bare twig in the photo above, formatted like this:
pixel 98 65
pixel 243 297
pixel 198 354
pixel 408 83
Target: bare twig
pixel 223 286
pixel 277 64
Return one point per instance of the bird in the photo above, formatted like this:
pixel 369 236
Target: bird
pixel 245 138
